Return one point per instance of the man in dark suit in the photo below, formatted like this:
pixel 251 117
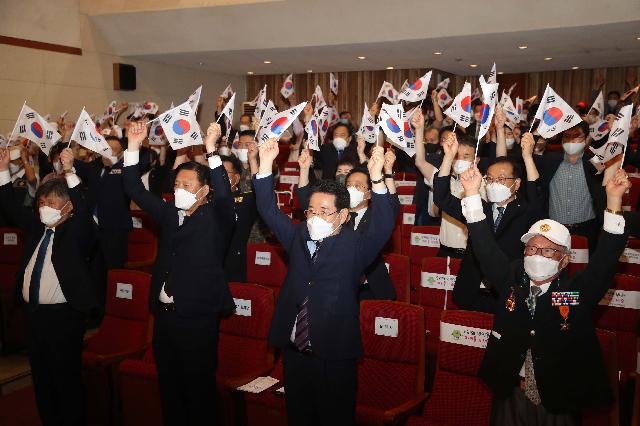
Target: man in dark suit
pixel 235 264
pixel 110 204
pixel 543 360
pixel 510 213
pixel 189 290
pixel 316 322
pixel 339 149
pixel 57 282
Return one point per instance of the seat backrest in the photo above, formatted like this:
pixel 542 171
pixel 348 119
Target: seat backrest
pixel 288 181
pixel 424 241
pixel 463 339
pixel 266 265
pixel 11 245
pixel 399 268
pixel 290 166
pixel 141 219
pixel 631 198
pixel 405 194
pixel 284 198
pixel 142 246
pixel 437 279
pixel 579 254
pixel 629 262
pixel 619 312
pixel 243 335
pixel 126 322
pixel 607 415
pixel 392 369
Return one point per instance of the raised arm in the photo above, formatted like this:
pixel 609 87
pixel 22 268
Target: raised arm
pixel 437 111
pixel 222 198
pixel 389 160
pixel 83 222
pixel 426 168
pixel 528 144
pixel 498 120
pixel 362 157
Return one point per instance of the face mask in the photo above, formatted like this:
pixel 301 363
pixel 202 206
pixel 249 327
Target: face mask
pixel 14 154
pixel 572 148
pixel 510 142
pixel 184 199
pixel 341 179
pixel 339 143
pixel 355 197
pixel 344 121
pixel 57 166
pixel 14 168
pixel 477 116
pixel 244 128
pixel 242 154
pixel 540 268
pixel 497 192
pixel 319 228
pixel 612 103
pixel 224 150
pixel 49 216
pixel 461 166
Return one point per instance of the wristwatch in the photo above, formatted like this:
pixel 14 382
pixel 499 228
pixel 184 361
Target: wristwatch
pixel 388 175
pixel 377 181
pixel 618 212
pixel 210 154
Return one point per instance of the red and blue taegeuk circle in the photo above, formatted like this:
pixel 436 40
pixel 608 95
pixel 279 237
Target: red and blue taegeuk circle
pixel 485 113
pixel 180 127
pixel 279 126
pixel 392 125
pixel 288 85
pixel 552 116
pixel 407 130
pixel 604 126
pixel 36 128
pixel 465 103
pixel 314 127
pixel 416 85
pixel 158 131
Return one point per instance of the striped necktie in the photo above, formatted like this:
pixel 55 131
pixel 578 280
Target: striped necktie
pixel 302 339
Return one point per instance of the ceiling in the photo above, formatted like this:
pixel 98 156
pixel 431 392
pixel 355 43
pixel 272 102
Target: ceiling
pixel 329 35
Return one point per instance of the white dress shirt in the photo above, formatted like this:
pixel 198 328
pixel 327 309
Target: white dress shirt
pixel 359 214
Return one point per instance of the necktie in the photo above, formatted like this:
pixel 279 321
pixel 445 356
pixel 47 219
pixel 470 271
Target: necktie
pixel 498 218
pixel 352 220
pixel 530 385
pixel 34 284
pixel 340 153
pixel 533 298
pixel 301 339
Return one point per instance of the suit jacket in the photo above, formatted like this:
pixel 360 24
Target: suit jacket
pixel 568 365
pixel 191 255
pixel 379 284
pixel 235 264
pixel 75 253
pixel 327 159
pixel 331 282
pixel 548 164
pixel 520 214
pixel 106 191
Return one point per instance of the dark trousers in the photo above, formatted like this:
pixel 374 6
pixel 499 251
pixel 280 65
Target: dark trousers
pixel 319 392
pixel 588 229
pixel 115 247
pixel 55 334
pixel 445 251
pixel 518 410
pixel 186 353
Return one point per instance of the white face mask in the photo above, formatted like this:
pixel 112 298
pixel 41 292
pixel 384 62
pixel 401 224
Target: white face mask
pixel 49 216
pixel 461 166
pixel 510 142
pixel 573 148
pixel 224 150
pixel 540 268
pixel 244 128
pixel 612 103
pixel 184 199
pixel 497 192
pixel 112 158
pixel 242 154
pixel 339 143
pixel 14 154
pixel 355 196
pixel 57 166
pixel 319 228
pixel 14 168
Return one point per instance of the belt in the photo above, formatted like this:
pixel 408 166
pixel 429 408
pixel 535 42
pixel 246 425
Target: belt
pixel 455 250
pixel 306 351
pixel 577 225
pixel 166 307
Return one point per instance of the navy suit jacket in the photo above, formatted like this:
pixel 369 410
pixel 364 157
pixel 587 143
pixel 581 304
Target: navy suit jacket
pixel 331 282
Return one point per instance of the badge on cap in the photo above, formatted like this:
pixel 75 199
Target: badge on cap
pixel 545 227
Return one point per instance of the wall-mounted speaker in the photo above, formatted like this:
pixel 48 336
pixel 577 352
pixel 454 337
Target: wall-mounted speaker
pixel 124 77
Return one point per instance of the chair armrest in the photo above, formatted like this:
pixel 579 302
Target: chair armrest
pixel 401 412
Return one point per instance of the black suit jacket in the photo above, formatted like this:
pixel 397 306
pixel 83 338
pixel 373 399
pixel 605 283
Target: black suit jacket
pixel 331 282
pixel 235 264
pixel 379 284
pixel 568 365
pixel 191 255
pixel 327 159
pixel 518 217
pixel 105 190
pixel 75 253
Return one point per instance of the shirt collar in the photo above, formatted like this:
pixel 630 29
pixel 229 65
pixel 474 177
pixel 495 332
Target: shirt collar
pixel 544 287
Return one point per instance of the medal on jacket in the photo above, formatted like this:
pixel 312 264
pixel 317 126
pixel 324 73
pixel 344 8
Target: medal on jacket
pixel 511 301
pixel 564 300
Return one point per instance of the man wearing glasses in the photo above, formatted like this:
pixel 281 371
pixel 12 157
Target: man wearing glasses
pixel 543 360
pixel 316 323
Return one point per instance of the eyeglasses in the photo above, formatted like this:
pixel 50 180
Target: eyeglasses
pixel 359 186
pixel 322 213
pixel 502 180
pixel 546 251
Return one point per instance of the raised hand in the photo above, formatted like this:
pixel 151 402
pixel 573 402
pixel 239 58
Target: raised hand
pixel 616 188
pixel 376 162
pixel 137 133
pixel 471 180
pixel 252 150
pixel 4 159
pixel 66 157
pixel 268 152
pixel 305 159
pixel 308 112
pixel 213 133
pixel 527 143
pixel 389 160
pixel 361 145
pixel 450 145
pixel 417 120
pixel 499 118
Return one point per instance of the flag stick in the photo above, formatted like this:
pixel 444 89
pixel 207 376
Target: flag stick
pixel 14 126
pixel 624 149
pixel 532 122
pixel 151 121
pixel 455 124
pixel 219 117
pixel 69 144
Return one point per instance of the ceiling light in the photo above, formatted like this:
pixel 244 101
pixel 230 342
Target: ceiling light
pixel 201 63
pixel 309 70
pixel 637 38
pixel 522 47
pixel 267 62
pixel 548 58
pixel 574 68
pixel 362 57
pixel 437 53
pixel 500 72
pixel 474 65
pixel 389 68
pixel 250 72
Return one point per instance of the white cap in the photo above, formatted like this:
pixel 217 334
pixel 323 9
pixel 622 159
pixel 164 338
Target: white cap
pixel 551 230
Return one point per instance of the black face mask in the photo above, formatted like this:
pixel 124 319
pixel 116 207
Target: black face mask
pixel 431 148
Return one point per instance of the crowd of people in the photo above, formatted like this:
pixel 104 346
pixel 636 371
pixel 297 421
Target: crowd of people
pixel 506 205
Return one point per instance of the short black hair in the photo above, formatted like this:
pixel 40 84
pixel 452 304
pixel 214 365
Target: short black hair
pixel 584 127
pixel 202 171
pixel 237 165
pixel 363 171
pixel 344 112
pixel 340 124
pixel 247 133
pixel 115 138
pixel 467 140
pixel 56 150
pixel 57 187
pixel 346 160
pixel 517 170
pixel 246 115
pixel 614 92
pixel 333 188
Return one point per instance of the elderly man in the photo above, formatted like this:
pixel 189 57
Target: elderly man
pixel 543 360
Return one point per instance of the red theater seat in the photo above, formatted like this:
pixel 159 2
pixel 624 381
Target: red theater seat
pixel 459 397
pixel 125 332
pixel 143 243
pixel 266 265
pixel 139 391
pixel 629 262
pixel 399 267
pixel 424 241
pixel 405 194
pixel 606 415
pixel 579 254
pixel 11 320
pixel 391 372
